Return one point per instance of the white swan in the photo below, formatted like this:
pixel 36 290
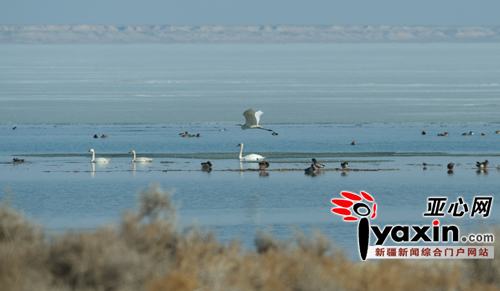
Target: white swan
pixel 98 160
pixel 135 159
pixel 250 157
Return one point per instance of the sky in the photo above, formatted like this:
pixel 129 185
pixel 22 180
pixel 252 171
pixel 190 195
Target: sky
pixel 248 12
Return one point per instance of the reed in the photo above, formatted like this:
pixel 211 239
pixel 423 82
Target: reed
pixel 145 251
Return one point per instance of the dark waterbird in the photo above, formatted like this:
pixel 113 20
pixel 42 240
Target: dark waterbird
pixel 482 165
pixel 344 165
pixel 314 168
pixel 17 161
pixel 311 170
pixel 187 134
pixel 450 167
pixel 206 166
pixel 263 165
pixel 317 164
pixel 100 136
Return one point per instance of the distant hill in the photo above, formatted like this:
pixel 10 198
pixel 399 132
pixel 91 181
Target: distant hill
pixel 241 34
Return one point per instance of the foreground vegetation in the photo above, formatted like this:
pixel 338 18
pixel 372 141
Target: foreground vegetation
pixel 146 252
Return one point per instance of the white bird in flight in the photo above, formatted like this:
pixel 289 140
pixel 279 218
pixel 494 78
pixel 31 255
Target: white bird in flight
pixel 252 120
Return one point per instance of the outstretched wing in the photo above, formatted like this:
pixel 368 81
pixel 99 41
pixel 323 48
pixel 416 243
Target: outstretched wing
pixel 258 114
pixel 251 119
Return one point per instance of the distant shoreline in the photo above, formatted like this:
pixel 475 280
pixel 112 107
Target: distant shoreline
pixel 47 34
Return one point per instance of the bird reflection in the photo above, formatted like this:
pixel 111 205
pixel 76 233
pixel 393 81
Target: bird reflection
pixel 133 168
pixel 263 173
pixel 482 171
pixel 241 169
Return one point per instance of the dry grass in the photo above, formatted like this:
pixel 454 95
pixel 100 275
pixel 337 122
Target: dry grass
pixel 147 252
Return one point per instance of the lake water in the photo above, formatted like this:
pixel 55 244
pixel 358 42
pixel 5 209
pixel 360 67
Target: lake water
pixel 291 83
pixel 318 97
pixel 59 187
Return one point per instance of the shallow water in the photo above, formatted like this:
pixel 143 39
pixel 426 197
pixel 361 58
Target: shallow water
pixel 59 188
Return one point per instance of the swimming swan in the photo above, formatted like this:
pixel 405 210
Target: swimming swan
pixel 98 160
pixel 135 159
pixel 250 157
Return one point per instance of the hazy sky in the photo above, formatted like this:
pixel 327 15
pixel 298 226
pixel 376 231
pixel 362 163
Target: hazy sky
pixel 414 12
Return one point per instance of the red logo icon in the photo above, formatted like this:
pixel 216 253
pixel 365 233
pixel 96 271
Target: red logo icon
pixel 357 207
